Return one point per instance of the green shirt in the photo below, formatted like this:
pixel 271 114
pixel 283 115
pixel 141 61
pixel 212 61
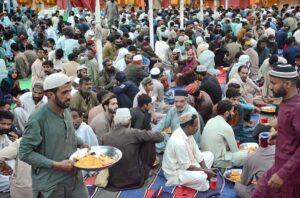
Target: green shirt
pixel 84 104
pixel 48 137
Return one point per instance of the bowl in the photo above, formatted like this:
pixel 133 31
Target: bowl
pixel 109 151
pixel 268 109
pixel 228 172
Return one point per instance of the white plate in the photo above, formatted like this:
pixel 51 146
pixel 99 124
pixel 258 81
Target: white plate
pixel 246 146
pixel 109 151
pixel 228 172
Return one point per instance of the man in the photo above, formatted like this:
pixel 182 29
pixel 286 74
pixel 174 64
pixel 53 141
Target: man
pixel 133 169
pixel 70 68
pixel 171 120
pixel 38 75
pixel 282 180
pixel 48 67
pixel 111 13
pixel 82 130
pixel 30 54
pixel 92 66
pixel 237 121
pixel 183 163
pixel 125 90
pixel 248 87
pixel 209 84
pixel 140 116
pixel 84 100
pixel 291 51
pixel 256 165
pixel 158 87
pixel 233 48
pixel 218 131
pixel 103 123
pixel 48 142
pixel 146 88
pixel 162 47
pixel 135 71
pixel 107 75
pixel 263 74
pixel 200 100
pixel 6 139
pixel 21 61
pixel 109 48
pixel 27 104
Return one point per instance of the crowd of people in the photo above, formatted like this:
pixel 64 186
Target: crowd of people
pixel 186 104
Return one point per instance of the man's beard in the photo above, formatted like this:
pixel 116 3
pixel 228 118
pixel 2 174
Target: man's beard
pixel 36 99
pixel 281 93
pixel 62 105
pixel 4 131
pixel 244 79
pixel 112 111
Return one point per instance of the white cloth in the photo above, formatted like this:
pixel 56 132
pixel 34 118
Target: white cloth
pixel 182 152
pixel 86 133
pixel 70 44
pixel 161 50
pixel 3 70
pixel 243 60
pixel 4 180
pixel 297 36
pixel 27 107
pixel 120 60
pixel 51 33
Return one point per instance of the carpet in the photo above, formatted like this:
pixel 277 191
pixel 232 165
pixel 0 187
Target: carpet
pixel 25 84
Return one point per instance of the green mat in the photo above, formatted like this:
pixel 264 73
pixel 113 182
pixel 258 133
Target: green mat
pixel 25 84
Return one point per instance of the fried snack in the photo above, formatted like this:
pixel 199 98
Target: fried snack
pixel 269 109
pixel 167 130
pixel 252 149
pixel 92 161
pixel 235 176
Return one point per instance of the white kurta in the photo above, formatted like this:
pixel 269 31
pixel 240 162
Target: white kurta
pixel 86 133
pixel 181 152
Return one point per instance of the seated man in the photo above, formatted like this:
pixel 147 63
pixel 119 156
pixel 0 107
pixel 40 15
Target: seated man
pixel 27 103
pixel 85 99
pixel 171 120
pixel 256 165
pixel 183 163
pixel 82 130
pixel 248 87
pixel 133 169
pixel 125 90
pixel 107 75
pixel 220 133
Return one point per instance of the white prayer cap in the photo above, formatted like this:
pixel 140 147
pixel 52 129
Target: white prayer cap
pixel 181 39
pixel 137 58
pixel 155 71
pixel 55 80
pixel 122 113
pixel 81 67
pixel 176 50
pixel 201 68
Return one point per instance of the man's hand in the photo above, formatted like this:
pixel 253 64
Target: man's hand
pixel 272 137
pixel 12 136
pixel 275 181
pixel 210 173
pixel 85 146
pixel 65 165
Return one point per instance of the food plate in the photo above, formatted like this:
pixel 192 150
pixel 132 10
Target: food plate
pixel 268 109
pixel 97 151
pixel 233 175
pixel 250 147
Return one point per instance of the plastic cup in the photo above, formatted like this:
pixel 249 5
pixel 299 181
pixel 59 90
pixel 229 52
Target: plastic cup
pixel 213 183
pixel 264 121
pixel 263 138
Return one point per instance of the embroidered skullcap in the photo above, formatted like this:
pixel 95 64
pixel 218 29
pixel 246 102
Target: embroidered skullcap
pixel 284 71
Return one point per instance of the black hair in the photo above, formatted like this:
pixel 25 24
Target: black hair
pixel 297 56
pixel 273 59
pixel 232 93
pixel 59 53
pixel 84 79
pixel 223 106
pixel 101 93
pixel 234 85
pixel 51 40
pixel 6 115
pixel 72 57
pixel 143 99
pixel 48 62
pixel 80 113
pixel 242 67
pixel 15 47
pixel 29 46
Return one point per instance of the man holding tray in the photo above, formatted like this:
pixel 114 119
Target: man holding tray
pixel 48 142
